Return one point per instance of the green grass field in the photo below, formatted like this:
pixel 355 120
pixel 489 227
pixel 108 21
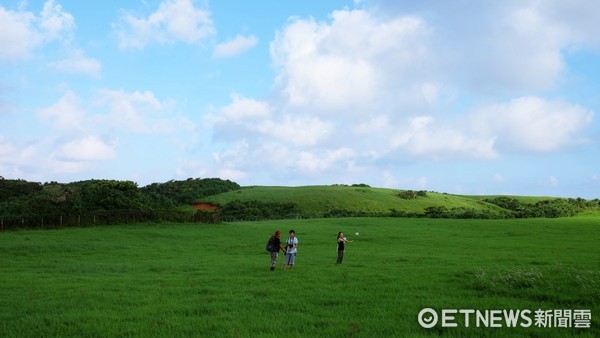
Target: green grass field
pixel 177 280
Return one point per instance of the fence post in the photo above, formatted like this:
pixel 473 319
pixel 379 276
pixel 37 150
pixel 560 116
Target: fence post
pixel 2 223
pixel 61 221
pixel 42 222
pixel 94 219
pixel 79 220
pixel 22 222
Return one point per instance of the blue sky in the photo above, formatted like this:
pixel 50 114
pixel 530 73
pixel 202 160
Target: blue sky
pixel 467 97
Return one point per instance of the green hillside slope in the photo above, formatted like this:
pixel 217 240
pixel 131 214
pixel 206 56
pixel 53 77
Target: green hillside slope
pixel 321 199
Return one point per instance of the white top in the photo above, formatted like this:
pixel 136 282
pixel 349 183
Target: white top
pixel 293 249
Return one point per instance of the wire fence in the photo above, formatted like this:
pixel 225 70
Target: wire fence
pixel 111 217
pixel 114 217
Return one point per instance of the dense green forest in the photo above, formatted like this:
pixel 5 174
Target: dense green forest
pixel 25 203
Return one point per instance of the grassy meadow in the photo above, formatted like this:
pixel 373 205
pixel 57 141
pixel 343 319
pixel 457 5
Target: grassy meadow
pixel 178 280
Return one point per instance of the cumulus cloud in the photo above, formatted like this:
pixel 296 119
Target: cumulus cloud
pixel 503 47
pixel 425 138
pixel 299 131
pixel 134 112
pixel 8 150
pixel 85 132
pixel 173 21
pixel 242 108
pixel 345 63
pixel 235 46
pixel 533 124
pixel 138 112
pixel 23 31
pixel 54 22
pixel 90 148
pixel 579 19
pixel 317 162
pixel 14 156
pixel 364 88
pixel 66 113
pixel 18 35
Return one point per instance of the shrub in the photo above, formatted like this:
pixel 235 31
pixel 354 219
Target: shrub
pixel 410 194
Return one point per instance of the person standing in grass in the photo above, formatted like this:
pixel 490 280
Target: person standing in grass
pixel 291 245
pixel 341 243
pixel 275 242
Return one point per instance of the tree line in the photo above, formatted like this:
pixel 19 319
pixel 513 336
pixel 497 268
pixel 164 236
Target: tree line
pixel 34 204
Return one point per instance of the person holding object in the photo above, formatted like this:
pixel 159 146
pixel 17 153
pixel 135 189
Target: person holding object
pixel 273 246
pixel 291 245
pixel 341 241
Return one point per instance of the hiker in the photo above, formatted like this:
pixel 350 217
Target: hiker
pixel 291 245
pixel 274 245
pixel 341 241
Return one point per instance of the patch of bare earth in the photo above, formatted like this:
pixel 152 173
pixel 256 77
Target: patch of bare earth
pixel 205 206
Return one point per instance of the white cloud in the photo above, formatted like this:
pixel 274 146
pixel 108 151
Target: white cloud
pixel 10 152
pixel 85 131
pixel 503 47
pixel 424 137
pixel 173 21
pixel 15 156
pixel 532 123
pixel 17 36
pixel 579 18
pixel 299 131
pixel 36 160
pixel 347 63
pixel 363 89
pixel 235 46
pixel 138 112
pixel 115 110
pixel 23 31
pixel 55 23
pixel 78 63
pixel 317 163
pixel 90 148
pixel 66 112
pixel 242 108
pixel 525 51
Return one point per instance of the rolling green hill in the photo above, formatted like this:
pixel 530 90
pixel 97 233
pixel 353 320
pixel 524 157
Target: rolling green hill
pixel 321 199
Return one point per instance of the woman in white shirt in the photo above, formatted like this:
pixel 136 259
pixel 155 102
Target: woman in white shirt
pixel 291 248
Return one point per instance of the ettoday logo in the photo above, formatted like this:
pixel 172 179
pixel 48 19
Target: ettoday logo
pixel 560 318
pixel 428 318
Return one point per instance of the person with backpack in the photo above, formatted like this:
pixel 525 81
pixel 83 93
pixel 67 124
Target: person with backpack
pixel 291 245
pixel 341 241
pixel 273 246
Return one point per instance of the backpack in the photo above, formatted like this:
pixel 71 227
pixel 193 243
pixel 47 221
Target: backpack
pixel 271 247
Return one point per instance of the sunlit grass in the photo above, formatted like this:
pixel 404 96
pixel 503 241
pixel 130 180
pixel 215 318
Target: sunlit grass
pixel 177 280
